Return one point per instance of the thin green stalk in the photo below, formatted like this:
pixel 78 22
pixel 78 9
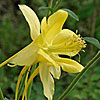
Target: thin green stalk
pixel 30 86
pixel 50 3
pixel 57 4
pixel 78 77
pixel 50 6
pixel 1 95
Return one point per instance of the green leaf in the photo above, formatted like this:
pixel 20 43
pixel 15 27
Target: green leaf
pixel 45 8
pixel 95 77
pixel 93 41
pixel 72 14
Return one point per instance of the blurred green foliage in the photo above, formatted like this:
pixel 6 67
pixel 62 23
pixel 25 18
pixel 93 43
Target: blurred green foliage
pixel 14 35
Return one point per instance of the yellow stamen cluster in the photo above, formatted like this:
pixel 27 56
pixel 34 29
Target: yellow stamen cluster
pixel 73 45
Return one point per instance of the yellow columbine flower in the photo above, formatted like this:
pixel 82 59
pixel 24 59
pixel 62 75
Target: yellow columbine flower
pixel 45 50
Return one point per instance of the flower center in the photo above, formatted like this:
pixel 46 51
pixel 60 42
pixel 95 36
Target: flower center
pixel 74 44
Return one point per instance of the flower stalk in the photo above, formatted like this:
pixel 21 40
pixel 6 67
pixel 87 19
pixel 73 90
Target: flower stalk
pixel 50 3
pixel 79 76
pixel 57 4
pixel 1 95
pixel 50 6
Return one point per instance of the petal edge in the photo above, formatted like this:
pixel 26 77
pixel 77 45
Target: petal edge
pixel 32 20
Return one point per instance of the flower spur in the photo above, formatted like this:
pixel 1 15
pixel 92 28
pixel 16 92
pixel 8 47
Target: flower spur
pixel 45 49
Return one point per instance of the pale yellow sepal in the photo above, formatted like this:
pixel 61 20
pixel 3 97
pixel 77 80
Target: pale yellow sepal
pixel 72 68
pixel 26 56
pixel 69 65
pixel 32 20
pixel 47 80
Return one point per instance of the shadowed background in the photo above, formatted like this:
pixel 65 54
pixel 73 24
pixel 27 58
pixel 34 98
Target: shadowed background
pixel 14 35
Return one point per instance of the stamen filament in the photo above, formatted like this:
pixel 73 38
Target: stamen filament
pixel 79 57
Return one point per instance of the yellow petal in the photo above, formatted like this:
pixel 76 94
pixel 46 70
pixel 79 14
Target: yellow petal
pixel 41 39
pixel 55 72
pixel 72 68
pixel 47 80
pixel 69 65
pixel 55 24
pixel 43 25
pixel 67 43
pixel 47 57
pixel 32 20
pixel 26 56
pixel 65 35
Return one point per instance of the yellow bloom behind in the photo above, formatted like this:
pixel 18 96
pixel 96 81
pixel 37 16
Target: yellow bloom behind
pixel 45 49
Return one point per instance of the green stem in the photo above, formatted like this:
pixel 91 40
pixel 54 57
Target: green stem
pixel 57 4
pixel 50 3
pixel 30 86
pixel 78 77
pixel 1 95
pixel 50 6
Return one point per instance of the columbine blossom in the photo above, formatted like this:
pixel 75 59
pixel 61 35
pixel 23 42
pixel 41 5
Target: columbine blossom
pixel 45 48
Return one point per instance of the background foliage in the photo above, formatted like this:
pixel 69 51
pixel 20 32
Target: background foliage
pixel 14 35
